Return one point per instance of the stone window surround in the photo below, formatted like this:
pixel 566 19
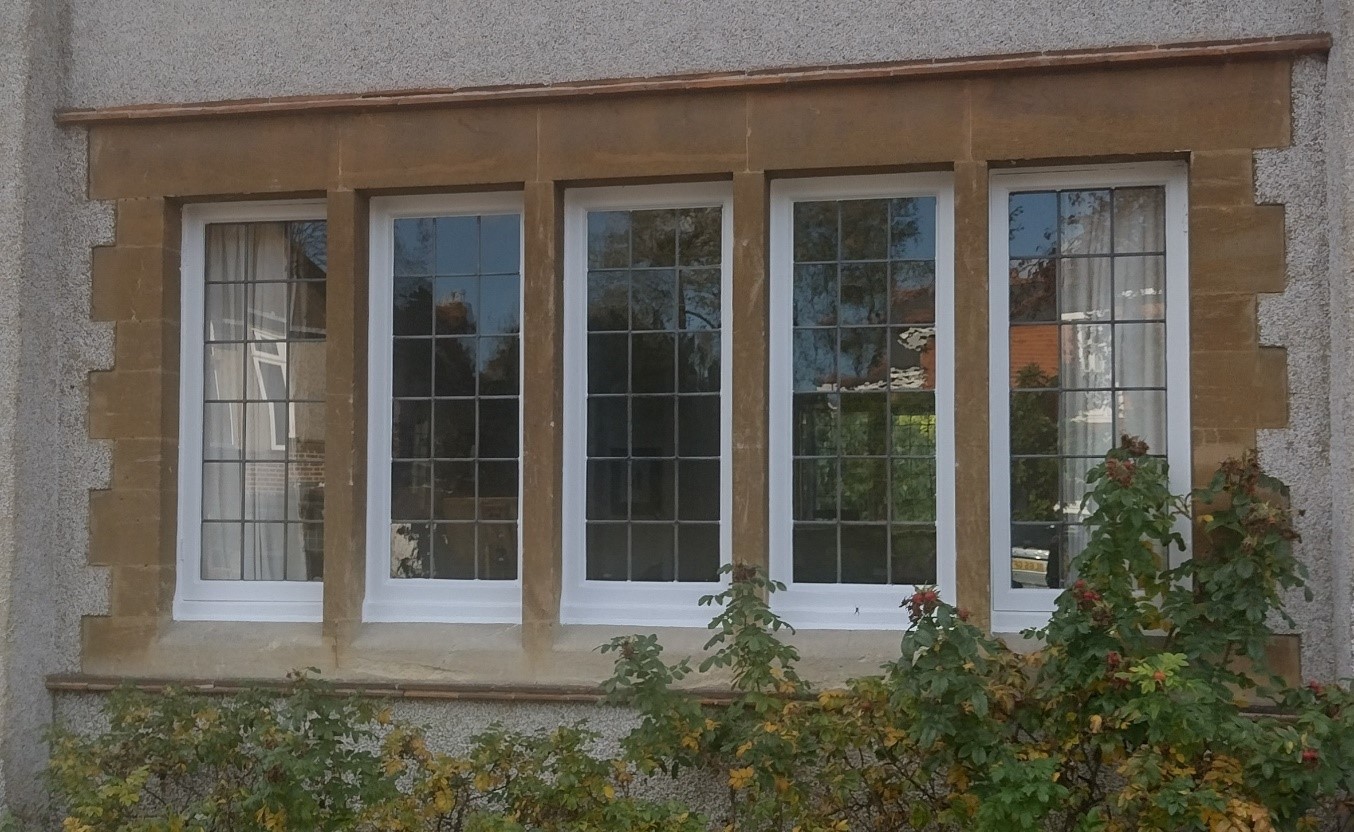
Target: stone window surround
pixel 1212 112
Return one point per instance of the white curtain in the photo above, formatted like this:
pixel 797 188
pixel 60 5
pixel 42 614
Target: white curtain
pixel 1097 353
pixel 249 487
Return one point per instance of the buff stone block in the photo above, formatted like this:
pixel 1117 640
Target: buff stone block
pixel 129 405
pixel 973 532
pixel 150 221
pixel 1212 447
pixel 125 528
pixel 129 283
pixel 750 330
pixel 1237 249
pixel 144 463
pixel 1233 389
pixel 109 642
pixel 542 408
pixel 1271 383
pixel 141 591
pixel 1224 321
pixel 141 345
pixel 1222 177
pixel 438 148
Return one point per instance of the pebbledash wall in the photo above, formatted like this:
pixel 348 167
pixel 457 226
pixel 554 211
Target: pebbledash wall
pixel 57 54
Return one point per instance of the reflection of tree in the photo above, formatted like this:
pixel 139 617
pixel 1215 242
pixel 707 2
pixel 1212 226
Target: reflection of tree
pixel 1033 290
pixel 1034 425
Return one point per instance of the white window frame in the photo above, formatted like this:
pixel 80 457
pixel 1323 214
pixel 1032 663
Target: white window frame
pixel 854 606
pixel 196 599
pixel 422 599
pixel 1014 610
pixel 667 604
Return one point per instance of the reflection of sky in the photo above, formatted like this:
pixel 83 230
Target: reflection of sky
pixel 1034 224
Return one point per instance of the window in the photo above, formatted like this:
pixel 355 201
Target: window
pixel 862 439
pixel 444 485
pixel 1089 311
pixel 646 493
pixel 251 508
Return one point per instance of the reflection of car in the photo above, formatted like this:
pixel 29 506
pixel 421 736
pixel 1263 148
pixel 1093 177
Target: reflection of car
pixel 1036 556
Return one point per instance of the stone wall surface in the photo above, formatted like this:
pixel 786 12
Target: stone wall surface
pixel 209 50
pixel 58 53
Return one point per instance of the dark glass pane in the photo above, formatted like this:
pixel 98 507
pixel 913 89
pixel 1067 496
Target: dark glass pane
pixel 307 541
pixel 608 489
pixel 653 299
pixel 654 425
pixel 608 552
pixel 912 232
pixel 222 431
pixel 498 428
pixel 500 305
pixel 815 554
pixel 652 359
pixel 698 483
pixel 412 370
pixel 815 424
pixel 411 549
pixel 913 292
pixel 698 363
pixel 913 555
pixel 414 243
pixel 308 312
pixel 458 245
pixel 454 429
pixel 1034 290
pixel 454 551
pixel 500 363
pixel 865 229
pixel 865 554
pixel 863 423
pixel 608 426
pixel 913 423
pixel 454 491
pixel 698 552
pixel 222 490
pixel 1084 291
pixel 1036 555
pixel 865 293
pixel 1034 423
pixel 815 301
pixel 608 239
pixel 653 238
pixel 498 490
pixel 815 489
pixel 497 551
pixel 1085 222
pixel 267 311
pixel 651 552
pixel 815 360
pixel 456 365
pixel 653 486
pixel 864 357
pixel 865 489
pixel 698 426
pixel 457 305
pixel 501 244
pixel 914 489
pixel 815 231
pixel 1034 489
pixel 608 363
pixel 1034 224
pixel 699 296
pixel 411 434
pixel 411 490
pixel 699 236
pixel 608 301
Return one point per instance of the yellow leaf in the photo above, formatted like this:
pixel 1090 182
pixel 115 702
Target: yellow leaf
pixel 740 778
